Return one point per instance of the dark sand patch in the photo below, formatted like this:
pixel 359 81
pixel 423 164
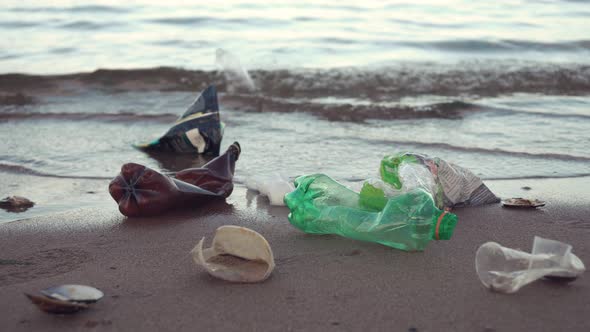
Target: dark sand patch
pixel 41 264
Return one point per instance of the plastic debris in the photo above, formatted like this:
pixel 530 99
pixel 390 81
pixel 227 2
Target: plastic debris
pixel 16 204
pixel 237 254
pixel 522 203
pixel 236 77
pixel 449 184
pixel 142 191
pixel 507 270
pixel 409 221
pixel 65 299
pixel 274 186
pixel 198 130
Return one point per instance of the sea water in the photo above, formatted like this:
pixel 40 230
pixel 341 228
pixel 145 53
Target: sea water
pixel 500 88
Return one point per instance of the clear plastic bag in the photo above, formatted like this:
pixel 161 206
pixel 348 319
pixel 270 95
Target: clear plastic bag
pixel 274 186
pixel 237 78
pixel 507 270
pixel 450 185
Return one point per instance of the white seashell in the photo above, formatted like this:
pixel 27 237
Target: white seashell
pixel 237 254
pixel 74 293
pixel 53 306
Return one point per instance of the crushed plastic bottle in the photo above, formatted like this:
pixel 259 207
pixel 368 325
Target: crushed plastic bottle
pixel 450 185
pixel 320 205
pixel 198 130
pixel 142 191
pixel 274 186
pixel 507 270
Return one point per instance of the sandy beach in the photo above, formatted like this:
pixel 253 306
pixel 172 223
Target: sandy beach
pixel 304 87
pixel 320 282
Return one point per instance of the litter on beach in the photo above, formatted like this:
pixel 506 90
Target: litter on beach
pixel 65 299
pixel 408 221
pixel 237 254
pixel 522 203
pixel 273 186
pixel 142 191
pixel 450 185
pixel 507 270
pixel 237 78
pixel 198 130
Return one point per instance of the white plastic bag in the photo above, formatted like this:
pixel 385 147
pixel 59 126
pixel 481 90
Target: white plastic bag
pixel 274 186
pixel 507 270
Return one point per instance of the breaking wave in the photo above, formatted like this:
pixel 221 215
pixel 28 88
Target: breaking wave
pixel 106 117
pixel 19 169
pixel 487 151
pixel 377 84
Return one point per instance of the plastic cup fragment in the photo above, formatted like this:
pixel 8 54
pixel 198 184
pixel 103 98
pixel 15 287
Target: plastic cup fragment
pixel 507 270
pixel 237 254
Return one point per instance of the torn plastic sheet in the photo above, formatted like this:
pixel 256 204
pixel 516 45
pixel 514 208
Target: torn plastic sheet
pixel 449 184
pixel 198 130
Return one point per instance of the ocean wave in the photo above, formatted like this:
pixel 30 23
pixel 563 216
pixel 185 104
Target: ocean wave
pixel 19 169
pixel 480 150
pixel 572 116
pixel 74 9
pixel 107 117
pixel 332 110
pixel 297 90
pixel 199 20
pixel 376 84
pixel 510 45
pixel 88 25
pixel 13 24
pixel 350 112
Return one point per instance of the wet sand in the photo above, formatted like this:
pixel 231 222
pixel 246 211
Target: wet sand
pixel 320 282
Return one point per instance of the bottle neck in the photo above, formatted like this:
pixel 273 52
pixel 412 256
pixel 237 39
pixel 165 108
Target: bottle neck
pixel 443 224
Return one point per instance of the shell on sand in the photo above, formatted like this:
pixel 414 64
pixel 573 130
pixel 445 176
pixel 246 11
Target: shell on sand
pixel 522 203
pixel 54 306
pixel 236 254
pixel 65 299
pixel 74 293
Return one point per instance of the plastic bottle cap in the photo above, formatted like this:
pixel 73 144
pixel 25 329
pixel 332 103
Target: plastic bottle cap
pixel 445 225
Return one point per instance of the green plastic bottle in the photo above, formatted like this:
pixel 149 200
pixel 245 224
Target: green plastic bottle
pixel 389 168
pixel 320 205
pixel 403 171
